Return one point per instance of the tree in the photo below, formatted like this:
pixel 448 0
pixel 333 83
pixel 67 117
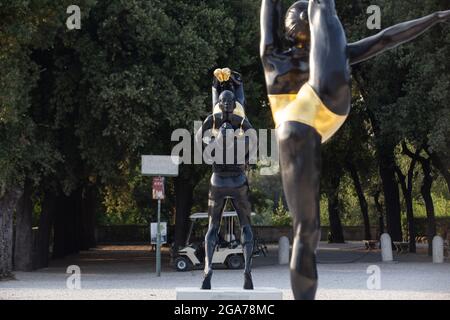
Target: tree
pixel 332 173
pixel 406 184
pixel 23 156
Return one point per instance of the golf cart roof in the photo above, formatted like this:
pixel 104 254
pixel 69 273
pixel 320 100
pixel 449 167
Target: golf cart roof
pixel 204 215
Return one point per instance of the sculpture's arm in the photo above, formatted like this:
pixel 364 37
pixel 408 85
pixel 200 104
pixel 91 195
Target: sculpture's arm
pixel 393 36
pixel 221 79
pixel 270 24
pixel 215 93
pixel 251 140
pixel 226 79
pixel 238 88
pixel 207 125
pixel 239 122
pixel 246 125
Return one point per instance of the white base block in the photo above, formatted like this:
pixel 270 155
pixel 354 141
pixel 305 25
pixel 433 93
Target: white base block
pixel 229 294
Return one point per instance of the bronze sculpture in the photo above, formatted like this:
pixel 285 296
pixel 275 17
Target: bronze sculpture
pixel 228 180
pixel 308 87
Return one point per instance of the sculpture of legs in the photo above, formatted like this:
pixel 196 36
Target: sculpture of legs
pixel 215 209
pixel 240 200
pixel 243 208
pixel 329 68
pixel 300 143
pixel 300 167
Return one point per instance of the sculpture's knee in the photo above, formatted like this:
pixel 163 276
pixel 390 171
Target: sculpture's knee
pixel 308 233
pixel 304 251
pixel 295 136
pixel 246 235
pixel 212 236
pixel 303 260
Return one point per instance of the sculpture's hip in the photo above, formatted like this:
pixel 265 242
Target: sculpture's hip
pixel 306 107
pixel 228 182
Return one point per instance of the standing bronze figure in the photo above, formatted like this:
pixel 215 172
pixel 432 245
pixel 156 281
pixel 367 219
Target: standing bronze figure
pixel 228 180
pixel 308 87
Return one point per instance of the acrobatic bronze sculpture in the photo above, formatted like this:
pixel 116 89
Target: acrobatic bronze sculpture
pixel 308 87
pixel 228 180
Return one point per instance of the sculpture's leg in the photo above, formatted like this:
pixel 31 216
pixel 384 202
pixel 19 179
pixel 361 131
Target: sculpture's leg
pixel 215 209
pixel 241 203
pixel 300 169
pixel 329 68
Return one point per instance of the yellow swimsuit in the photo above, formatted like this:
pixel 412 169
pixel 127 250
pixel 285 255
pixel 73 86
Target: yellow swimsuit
pixel 305 107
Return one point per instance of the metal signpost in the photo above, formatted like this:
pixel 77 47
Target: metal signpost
pixel 159 167
pixel 158 194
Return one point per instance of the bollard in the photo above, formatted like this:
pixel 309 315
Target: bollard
pixel 438 250
pixel 283 250
pixel 386 248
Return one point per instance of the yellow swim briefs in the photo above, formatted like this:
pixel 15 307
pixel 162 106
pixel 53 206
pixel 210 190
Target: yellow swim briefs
pixel 306 107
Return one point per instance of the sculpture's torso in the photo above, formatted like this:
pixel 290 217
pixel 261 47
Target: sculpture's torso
pixel 228 175
pixel 291 98
pixel 286 72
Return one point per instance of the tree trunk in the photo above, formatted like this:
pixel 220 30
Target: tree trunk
pixel 72 222
pixel 407 194
pixel 362 199
pixel 184 190
pixel 426 194
pixel 386 159
pixel 58 229
pixel 8 204
pixel 45 228
pixel 443 168
pixel 379 207
pixel 67 225
pixel 337 234
pixel 391 194
pixel 23 246
pixel 87 236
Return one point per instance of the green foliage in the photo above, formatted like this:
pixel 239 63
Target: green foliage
pixel 281 217
pixel 83 105
pixel 25 26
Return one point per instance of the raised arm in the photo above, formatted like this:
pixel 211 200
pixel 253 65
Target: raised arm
pixel 393 36
pixel 270 24
pixel 227 79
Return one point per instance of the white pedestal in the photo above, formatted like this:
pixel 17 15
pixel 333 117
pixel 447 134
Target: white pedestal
pixel 386 248
pixel 229 294
pixel 438 250
pixel 283 250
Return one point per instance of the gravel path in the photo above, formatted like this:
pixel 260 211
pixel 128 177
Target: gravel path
pixel 105 276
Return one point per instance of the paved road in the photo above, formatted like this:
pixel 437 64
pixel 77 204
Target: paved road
pixel 128 273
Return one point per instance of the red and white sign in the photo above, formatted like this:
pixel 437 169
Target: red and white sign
pixel 158 188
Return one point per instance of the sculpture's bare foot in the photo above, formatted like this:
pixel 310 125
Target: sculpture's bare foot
pixel 248 282
pixel 206 285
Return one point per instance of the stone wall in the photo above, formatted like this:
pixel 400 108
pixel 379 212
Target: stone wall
pixel 442 227
pixel 124 234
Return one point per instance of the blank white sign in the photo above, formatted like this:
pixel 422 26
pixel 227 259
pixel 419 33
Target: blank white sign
pixel 164 166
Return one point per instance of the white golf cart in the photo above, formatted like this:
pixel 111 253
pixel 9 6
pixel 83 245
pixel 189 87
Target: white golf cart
pixel 228 251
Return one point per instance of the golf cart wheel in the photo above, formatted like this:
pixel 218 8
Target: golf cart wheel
pixel 235 261
pixel 182 264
